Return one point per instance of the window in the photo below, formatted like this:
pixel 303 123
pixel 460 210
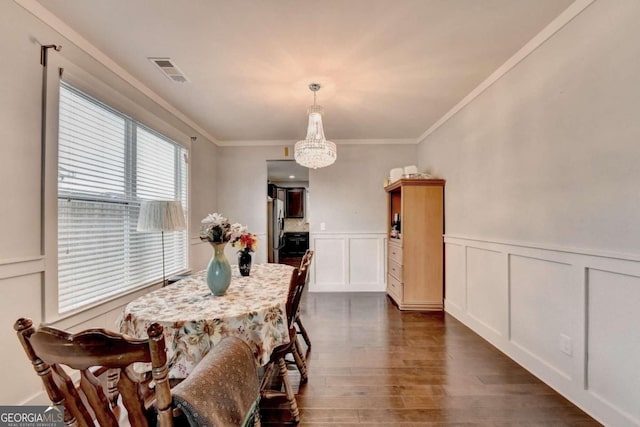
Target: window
pixel 107 164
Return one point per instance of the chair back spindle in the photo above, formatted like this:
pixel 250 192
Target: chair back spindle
pixel 49 349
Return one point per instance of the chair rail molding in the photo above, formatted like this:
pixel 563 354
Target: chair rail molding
pixel 22 266
pixel 567 315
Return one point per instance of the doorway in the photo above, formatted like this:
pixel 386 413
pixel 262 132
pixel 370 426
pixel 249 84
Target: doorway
pixel 287 211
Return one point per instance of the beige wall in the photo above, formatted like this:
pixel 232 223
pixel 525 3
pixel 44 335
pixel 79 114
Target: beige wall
pixel 546 160
pixel 543 208
pixel 550 153
pixel 348 195
pixel 21 260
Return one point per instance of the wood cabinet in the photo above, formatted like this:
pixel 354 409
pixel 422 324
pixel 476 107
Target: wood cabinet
pixel 415 278
pixel 294 206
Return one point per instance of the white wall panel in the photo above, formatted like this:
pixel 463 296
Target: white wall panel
pixel 329 261
pixel 487 288
pixel 20 298
pixel 364 265
pixel 543 307
pixel 348 262
pixel 613 370
pixel 456 291
pixel 590 298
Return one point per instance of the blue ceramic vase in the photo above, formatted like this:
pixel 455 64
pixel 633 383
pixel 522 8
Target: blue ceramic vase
pixel 218 271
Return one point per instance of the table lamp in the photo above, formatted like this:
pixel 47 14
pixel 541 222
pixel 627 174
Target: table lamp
pixel 161 215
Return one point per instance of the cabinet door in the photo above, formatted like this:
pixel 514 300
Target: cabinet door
pixel 295 203
pixel 281 194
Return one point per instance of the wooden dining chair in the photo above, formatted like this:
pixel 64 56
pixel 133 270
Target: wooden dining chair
pixel 277 359
pixel 305 264
pixel 299 358
pixel 146 398
pixel 293 302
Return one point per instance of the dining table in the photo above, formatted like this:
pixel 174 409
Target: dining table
pixel 194 320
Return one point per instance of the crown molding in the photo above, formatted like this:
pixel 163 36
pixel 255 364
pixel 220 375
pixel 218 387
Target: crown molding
pixel 256 143
pixel 383 141
pixel 48 18
pixel 547 32
pixel 291 142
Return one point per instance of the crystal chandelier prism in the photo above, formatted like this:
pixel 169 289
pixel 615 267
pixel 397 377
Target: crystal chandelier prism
pixel 315 151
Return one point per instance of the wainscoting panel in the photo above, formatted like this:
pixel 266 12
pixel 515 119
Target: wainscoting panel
pixel 330 262
pixel 487 288
pixel 348 262
pixel 613 371
pixel 456 291
pixel 21 297
pixel 569 316
pixel 362 272
pixel 543 310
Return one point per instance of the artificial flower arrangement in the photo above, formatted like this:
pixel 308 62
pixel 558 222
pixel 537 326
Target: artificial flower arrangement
pixel 215 228
pixel 247 242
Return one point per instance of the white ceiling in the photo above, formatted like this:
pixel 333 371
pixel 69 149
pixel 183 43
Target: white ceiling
pixel 389 68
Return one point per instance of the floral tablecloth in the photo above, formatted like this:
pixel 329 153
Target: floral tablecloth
pixel 253 309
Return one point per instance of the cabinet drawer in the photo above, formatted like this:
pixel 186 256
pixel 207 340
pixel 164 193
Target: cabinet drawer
pixel 395 252
pixel 394 286
pixel 395 270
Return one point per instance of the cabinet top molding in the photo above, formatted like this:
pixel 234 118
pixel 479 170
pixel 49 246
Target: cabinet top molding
pixel 414 181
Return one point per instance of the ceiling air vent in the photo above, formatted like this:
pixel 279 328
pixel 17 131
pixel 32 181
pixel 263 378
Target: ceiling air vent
pixel 169 69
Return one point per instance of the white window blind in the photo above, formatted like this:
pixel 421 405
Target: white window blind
pixel 107 164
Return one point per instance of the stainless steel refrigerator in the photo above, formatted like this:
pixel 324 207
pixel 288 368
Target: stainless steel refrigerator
pixel 275 228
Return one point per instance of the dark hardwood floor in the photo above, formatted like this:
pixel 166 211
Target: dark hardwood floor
pixel 371 364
